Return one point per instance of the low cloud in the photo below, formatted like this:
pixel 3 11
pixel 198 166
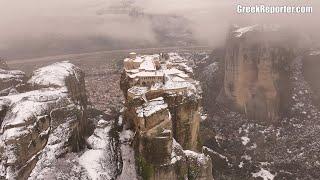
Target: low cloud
pixel 33 27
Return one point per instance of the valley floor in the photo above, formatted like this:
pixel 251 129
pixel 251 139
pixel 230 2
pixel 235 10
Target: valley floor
pixel 244 149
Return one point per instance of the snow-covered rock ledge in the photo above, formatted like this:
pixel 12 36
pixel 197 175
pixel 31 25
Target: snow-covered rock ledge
pixel 10 80
pixel 43 123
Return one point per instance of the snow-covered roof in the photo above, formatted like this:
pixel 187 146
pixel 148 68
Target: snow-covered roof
pixel 182 75
pixel 176 58
pixel 137 90
pixel 170 85
pixel 147 65
pixel 132 70
pixel 172 71
pixel 177 79
pixel 186 67
pixel 146 74
pixel 138 59
pixel 156 86
pixel 142 58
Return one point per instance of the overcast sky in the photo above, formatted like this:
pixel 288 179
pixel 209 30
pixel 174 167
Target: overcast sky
pixel 35 22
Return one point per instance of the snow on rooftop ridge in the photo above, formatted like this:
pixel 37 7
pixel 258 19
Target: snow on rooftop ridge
pixel 141 58
pixel 148 65
pixel 54 74
pixel 178 79
pixel 173 71
pixel 170 85
pixel 137 90
pixel 147 74
pixel 138 59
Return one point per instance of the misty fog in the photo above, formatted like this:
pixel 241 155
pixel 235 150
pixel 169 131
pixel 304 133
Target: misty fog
pixel 36 28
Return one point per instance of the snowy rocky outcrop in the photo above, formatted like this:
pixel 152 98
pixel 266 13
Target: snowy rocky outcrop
pixel 42 124
pixel 255 75
pixel 163 114
pixel 10 81
pixel 102 161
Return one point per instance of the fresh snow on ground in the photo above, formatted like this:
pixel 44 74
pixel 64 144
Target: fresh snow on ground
pixel 245 140
pixel 201 158
pixel 265 174
pixel 129 168
pixel 91 160
pixel 175 157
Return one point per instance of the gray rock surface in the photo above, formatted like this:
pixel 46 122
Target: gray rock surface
pixel 43 124
pixel 10 80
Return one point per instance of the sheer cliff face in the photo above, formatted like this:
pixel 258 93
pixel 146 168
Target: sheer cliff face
pixel 254 61
pixel 41 124
pixel 185 115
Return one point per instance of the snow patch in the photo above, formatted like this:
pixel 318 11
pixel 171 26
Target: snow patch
pixel 151 107
pixel 245 140
pixel 201 158
pixel 92 161
pixel 54 74
pixel 265 174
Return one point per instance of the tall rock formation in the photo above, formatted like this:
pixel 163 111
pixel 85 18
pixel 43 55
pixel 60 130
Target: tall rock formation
pixel 41 124
pixel 162 109
pixel 254 81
